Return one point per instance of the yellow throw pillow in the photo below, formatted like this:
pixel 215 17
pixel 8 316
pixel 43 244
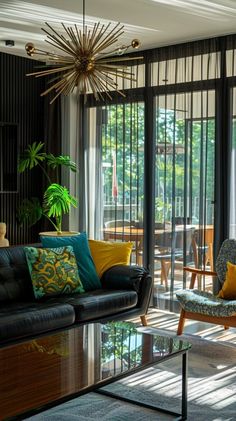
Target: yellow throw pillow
pixel 228 290
pixel 106 254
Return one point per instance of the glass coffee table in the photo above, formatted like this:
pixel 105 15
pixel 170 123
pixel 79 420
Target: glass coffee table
pixel 38 374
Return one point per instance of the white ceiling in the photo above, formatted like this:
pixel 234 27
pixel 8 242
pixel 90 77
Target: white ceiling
pixel 155 22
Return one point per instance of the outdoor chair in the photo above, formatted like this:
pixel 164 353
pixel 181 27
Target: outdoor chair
pixel 204 240
pixel 123 230
pixel 171 246
pixel 205 306
pixel 181 220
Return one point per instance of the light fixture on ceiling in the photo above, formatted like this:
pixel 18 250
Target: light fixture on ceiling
pixel 87 63
pixel 9 43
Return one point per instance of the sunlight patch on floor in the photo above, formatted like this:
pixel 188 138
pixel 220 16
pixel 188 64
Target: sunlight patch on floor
pixel 168 321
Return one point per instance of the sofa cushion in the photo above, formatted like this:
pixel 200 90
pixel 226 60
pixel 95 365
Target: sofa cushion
pixel 226 254
pixel 87 270
pixel 99 303
pixel 25 319
pixel 204 302
pixel 106 254
pixel 228 290
pixel 53 271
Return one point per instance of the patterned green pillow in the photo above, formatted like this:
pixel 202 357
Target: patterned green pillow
pixel 53 271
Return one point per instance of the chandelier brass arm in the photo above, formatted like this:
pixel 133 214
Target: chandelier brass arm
pixel 87 64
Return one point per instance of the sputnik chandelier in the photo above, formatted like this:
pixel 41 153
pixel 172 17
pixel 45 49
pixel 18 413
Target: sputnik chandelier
pixel 87 63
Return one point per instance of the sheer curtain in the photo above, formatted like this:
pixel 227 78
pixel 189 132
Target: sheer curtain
pixel 184 80
pixel 114 170
pixel 83 146
pixel 113 167
pixel 92 172
pixel 70 146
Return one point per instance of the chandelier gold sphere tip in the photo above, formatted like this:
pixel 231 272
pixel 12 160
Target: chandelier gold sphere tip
pixel 30 48
pixel 85 61
pixel 135 43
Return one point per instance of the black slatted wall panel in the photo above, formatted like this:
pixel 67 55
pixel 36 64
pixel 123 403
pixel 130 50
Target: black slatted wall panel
pixel 21 123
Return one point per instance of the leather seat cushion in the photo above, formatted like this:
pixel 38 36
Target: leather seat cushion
pixel 99 303
pixel 18 320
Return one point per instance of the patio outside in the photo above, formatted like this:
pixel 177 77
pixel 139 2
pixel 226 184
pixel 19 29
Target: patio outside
pixel 184 185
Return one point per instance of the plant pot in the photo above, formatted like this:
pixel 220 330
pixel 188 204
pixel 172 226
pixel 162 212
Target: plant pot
pixel 58 233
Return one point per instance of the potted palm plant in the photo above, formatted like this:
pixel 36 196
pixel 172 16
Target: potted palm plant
pixel 57 200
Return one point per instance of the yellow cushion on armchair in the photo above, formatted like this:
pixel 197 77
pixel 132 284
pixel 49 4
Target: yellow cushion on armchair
pixel 106 254
pixel 228 290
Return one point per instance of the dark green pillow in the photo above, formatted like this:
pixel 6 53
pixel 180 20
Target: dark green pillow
pixel 53 271
pixel 87 270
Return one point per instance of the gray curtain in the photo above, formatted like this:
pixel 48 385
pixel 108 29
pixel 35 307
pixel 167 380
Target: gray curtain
pixel 90 173
pixel 70 136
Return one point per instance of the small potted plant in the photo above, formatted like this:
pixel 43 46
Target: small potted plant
pixel 57 200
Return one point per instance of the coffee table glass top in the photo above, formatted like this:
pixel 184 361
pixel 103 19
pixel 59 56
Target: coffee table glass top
pixel 75 361
pixel 124 348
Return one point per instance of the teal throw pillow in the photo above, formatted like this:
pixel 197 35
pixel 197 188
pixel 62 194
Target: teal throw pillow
pixel 53 271
pixel 87 270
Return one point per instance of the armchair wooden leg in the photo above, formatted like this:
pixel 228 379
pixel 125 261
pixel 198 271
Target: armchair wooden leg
pixel 181 323
pixel 144 320
pixel 192 282
pixel 164 273
pixel 226 327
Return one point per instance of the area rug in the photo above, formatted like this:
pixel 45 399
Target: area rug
pixel 211 390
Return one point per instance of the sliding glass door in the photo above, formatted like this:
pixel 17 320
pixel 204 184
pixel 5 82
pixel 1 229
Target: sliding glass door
pixel 116 172
pixel 184 189
pixel 184 139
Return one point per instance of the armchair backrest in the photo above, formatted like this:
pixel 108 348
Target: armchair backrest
pixel 184 238
pixel 177 240
pixel 226 254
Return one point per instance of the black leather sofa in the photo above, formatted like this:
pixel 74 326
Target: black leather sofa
pixel 125 293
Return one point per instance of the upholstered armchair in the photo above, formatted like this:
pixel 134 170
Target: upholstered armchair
pixel 205 306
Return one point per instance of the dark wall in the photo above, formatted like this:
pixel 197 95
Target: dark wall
pixel 21 109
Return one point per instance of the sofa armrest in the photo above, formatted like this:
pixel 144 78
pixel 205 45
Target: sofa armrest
pixel 136 278
pixel 124 277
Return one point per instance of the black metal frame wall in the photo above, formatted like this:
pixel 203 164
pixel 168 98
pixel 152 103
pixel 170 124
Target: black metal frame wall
pixel 147 94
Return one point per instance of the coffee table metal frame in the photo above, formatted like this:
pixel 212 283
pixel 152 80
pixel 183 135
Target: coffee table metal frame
pixel 180 416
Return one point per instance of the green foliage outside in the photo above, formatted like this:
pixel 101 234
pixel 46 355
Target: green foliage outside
pixel 124 137
pixel 124 347
pixel 176 175
pixel 120 343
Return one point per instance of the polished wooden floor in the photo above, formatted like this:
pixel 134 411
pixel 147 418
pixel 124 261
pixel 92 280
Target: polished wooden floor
pixel 168 322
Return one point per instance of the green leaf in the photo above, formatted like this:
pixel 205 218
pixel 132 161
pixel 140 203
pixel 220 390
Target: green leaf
pixel 62 160
pixel 29 211
pixel 57 201
pixel 31 157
